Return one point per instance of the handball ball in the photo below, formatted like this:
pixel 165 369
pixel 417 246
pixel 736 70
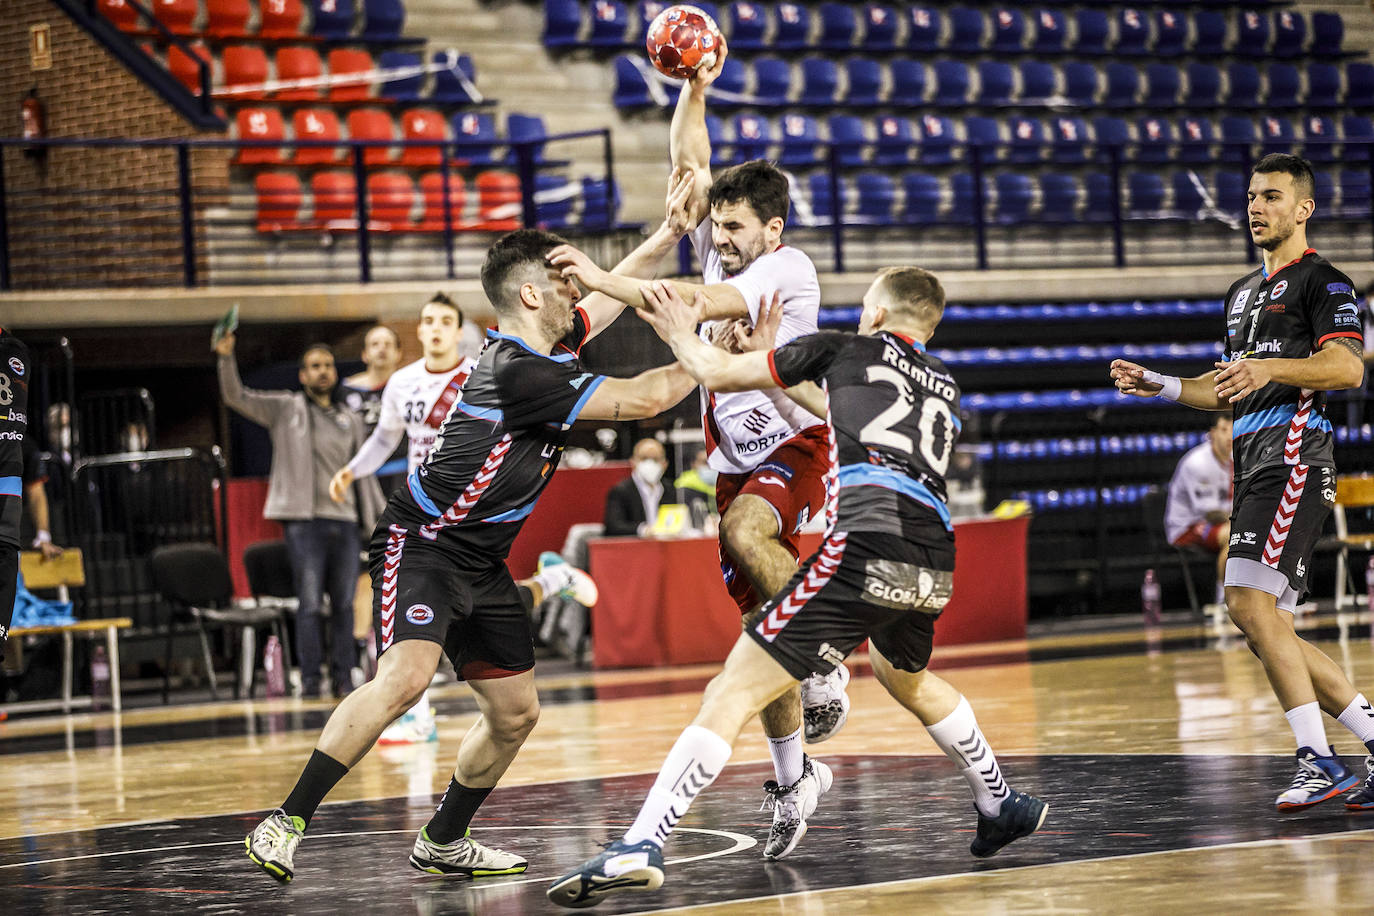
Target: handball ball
pixel 682 40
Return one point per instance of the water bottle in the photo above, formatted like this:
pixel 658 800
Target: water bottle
pixel 100 679
pixel 1149 599
pixel 274 672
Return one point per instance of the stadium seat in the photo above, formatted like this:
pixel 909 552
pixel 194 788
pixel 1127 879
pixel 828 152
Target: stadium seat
pixel 1037 82
pixel 1328 33
pixel 1171 34
pixel 1252 38
pixel 1195 139
pixel 343 62
pixel 177 15
pixel 1319 133
pixel 334 19
pixel 772 81
pixel 451 84
pixel 279 199
pixel 1161 85
pixel 280 19
pixel 1324 190
pixel 1080 84
pixel 848 139
pixel 646 11
pixel 432 198
pixel 227 18
pixel 1359 85
pixel 1014 195
pixel 1112 133
pixel 1008 31
pixel 1323 86
pixel 372 124
pixel 562 23
pixel 383 20
pixel 921 192
pixel 1187 198
pixel 336 201
pixel 722 149
pixel 1069 140
pixel 186 67
pixel 315 124
pixel 298 64
pixel 838 25
pixel 1132 32
pixel 121 13
pixel 554 199
pixel 984 135
pixel 1123 85
pixel 1359 138
pixel 963 204
pixel 908 88
pixel 631 88
pixel 1027 140
pixel 498 201
pixel 1237 138
pixel 996 81
pixel 753 138
pixel 600 203
pixel 731 80
pixel 402 88
pixel 1232 188
pixel 610 20
pixel 1051 29
pixel 1154 138
pixel 1355 193
pixel 877 197
pixel 895 138
pixel 820 80
pixel 823 207
pixel 479 140
pixel 1284 86
pixel 1276 134
pixel 880 28
pixel 710 9
pixel 259 124
pixel 1243 86
pixel 244 65
pixel 421 124
pixel 864 80
pixel 800 138
pixel 923 29
pixel 793 32
pixel 1093 31
pixel 390 198
pixel 951 83
pixel 1209 33
pixel 1290 34
pixel 1059 195
pixel 748 22
pixel 1204 86
pixel 1098 196
pixel 966 30
pixel 937 140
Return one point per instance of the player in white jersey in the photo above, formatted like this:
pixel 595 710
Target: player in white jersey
pixel 773 458
pixel 1198 511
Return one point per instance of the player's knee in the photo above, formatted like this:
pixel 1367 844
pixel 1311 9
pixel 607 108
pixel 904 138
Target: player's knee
pixel 745 524
pixel 513 726
pixel 401 686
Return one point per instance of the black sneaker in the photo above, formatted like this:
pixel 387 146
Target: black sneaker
pixel 1362 799
pixel 1021 815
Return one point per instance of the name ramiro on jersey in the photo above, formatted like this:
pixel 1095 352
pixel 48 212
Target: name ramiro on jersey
pixel 934 382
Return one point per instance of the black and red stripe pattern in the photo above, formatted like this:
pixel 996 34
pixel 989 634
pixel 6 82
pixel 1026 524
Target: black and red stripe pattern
pixel 460 509
pixel 821 571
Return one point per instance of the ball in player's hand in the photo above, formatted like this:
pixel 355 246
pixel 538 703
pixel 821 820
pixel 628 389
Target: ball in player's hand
pixel 682 40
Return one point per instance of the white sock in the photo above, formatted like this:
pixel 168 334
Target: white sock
pixel 553 579
pixel 421 707
pixel 959 737
pixel 788 757
pixel 1306 722
pixel 1359 718
pixel 693 764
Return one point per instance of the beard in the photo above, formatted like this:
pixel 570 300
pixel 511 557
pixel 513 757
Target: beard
pixel 1274 241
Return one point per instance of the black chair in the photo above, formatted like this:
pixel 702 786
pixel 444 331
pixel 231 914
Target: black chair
pixel 272 582
pixel 194 579
pixel 1152 505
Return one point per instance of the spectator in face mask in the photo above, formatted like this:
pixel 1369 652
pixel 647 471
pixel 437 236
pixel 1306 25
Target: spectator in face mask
pixel 632 505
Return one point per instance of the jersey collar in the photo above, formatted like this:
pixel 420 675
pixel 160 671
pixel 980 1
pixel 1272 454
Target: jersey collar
pixel 916 344
pixel 560 358
pixel 1296 260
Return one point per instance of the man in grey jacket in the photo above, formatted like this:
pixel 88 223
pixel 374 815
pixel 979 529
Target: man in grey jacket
pixel 312 435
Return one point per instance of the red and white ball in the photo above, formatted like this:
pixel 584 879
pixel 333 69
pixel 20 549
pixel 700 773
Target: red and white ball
pixel 681 40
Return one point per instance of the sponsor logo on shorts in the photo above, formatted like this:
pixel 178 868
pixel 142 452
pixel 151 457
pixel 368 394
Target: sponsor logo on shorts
pixel 17 365
pixel 1248 538
pixel 419 614
pixel 776 467
pixel 1279 289
pixel 830 653
pixel 903 586
pixel 1301 569
pixel 1336 289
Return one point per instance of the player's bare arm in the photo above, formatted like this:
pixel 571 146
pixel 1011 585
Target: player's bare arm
pixel 763 337
pixel 675 321
pixel 1335 366
pixel 721 300
pixel 1134 379
pixel 646 395
pixel 689 144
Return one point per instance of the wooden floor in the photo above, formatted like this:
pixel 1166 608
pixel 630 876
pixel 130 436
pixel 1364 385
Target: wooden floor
pixel 1100 725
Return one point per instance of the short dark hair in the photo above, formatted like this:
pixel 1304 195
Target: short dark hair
pixel 441 298
pixel 384 327
pixel 915 290
pixel 1303 181
pixel 515 251
pixel 759 183
pixel 311 349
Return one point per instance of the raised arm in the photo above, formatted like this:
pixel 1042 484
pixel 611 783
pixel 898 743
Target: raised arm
pixel 689 143
pixel 262 407
pixel 719 300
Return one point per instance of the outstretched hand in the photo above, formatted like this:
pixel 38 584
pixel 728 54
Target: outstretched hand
pixel 225 345
pixel 572 262
pixel 665 310
pixel 705 76
pixel 339 484
pixel 1129 378
pixel 764 334
pixel 677 206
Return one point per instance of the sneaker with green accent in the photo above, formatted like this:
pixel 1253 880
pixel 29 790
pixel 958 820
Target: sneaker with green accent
pixel 463 857
pixel 272 844
pixel 559 577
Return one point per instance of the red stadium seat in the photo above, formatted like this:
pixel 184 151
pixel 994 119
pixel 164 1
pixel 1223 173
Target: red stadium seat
pixel 280 18
pixel 336 201
pixel 259 124
pixel 185 67
pixel 390 197
pixel 422 124
pixel 227 18
pixel 298 64
pixel 498 201
pixel 432 192
pixel 372 124
pixel 244 65
pixel 315 124
pixel 279 201
pixel 124 16
pixel 178 16
pixel 342 61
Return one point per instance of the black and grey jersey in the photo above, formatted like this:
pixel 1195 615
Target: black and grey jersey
pixel 1289 314
pixel 894 415
pixel 14 408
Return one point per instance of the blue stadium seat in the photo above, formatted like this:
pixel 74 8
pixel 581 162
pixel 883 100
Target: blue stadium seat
pixel 1204 86
pixel 1328 32
pixel 595 194
pixel 1355 193
pixel 1027 140
pixel 793 27
pixel 838 24
pixel 722 150
pixel 800 137
pixel 985 135
pixel 1290 34
pixel 963 204
pixel 1059 195
pixel 1111 133
pixel 1320 134
pixel 995 83
pixel 923 30
pixel 1284 85
pixel 1252 39
pixel 865 79
pixel 631 88
pixel 1123 85
pixel 1154 138
pixel 1171 34
pixel 562 23
pixel 772 80
pixel 1231 191
pixel 1161 85
pixel 877 197
pixel 1276 134
pixel 1243 86
pixel 332 20
pixel 895 140
pixel 1132 32
pixel 1195 138
pixel 448 88
pixel 1014 196
pixel 521 127
pixel 951 83
pixel 1093 30
pixel 610 20
pixel 966 28
pixel 880 27
pixel 731 80
pixel 1037 81
pixel 1097 197
pixel 847 137
pixel 820 80
pixel 823 207
pixel 1324 190
pixel 1209 33
pixel 1187 199
pixel 1358 132
pixel 383 19
pixel 1323 86
pixel 753 138
pixel 709 9
pixel 908 83
pixel 937 140
pixel 1080 84
pixel 406 88
pixel 921 193
pixel 646 11
pixel 1051 29
pixel 1144 194
pixel 748 23
pixel 1238 134
pixel 1068 140
pixel 1359 85
pixel 1008 30
pixel 554 197
pixel 480 130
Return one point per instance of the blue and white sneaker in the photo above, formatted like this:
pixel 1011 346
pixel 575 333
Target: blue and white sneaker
pixel 415 726
pixel 619 868
pixel 1363 798
pixel 1318 779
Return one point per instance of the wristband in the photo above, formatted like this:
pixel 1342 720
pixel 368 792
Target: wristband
pixel 42 537
pixel 1172 385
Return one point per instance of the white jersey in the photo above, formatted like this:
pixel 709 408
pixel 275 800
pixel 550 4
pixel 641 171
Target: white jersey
pixel 744 427
pixel 415 401
pixel 1200 485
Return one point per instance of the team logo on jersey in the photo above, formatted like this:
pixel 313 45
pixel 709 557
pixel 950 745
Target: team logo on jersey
pixel 1279 289
pixel 1238 306
pixel 17 365
pixel 420 614
pixel 1339 288
pixel 577 382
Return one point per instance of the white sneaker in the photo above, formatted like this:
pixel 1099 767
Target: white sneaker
pixel 825 705
pixel 561 578
pixel 411 728
pixel 463 857
pixel 792 805
pixel 272 845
